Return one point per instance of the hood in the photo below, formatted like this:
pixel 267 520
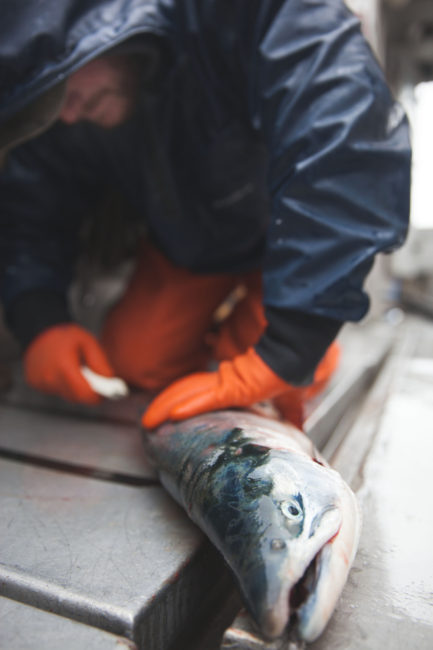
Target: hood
pixel 43 41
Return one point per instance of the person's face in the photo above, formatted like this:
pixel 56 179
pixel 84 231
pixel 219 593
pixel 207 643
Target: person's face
pixel 103 92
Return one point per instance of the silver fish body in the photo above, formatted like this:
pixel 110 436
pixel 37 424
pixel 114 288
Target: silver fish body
pixel 286 523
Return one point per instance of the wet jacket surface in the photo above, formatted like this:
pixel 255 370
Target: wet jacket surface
pixel 268 139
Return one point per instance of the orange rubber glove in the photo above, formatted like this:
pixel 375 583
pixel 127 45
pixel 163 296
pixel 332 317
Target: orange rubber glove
pixel 53 359
pixel 241 382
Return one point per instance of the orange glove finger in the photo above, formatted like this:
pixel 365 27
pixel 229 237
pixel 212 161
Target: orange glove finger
pixel 290 406
pixel 161 407
pixel 94 356
pixel 75 388
pixel 196 405
pixel 229 388
pixel 53 361
pixel 69 385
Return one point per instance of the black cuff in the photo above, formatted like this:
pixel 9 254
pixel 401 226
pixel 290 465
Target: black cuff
pixel 294 342
pixel 33 312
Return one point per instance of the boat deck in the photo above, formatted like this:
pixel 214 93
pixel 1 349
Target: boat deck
pixel 95 554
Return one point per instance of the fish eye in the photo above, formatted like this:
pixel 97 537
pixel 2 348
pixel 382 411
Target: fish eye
pixel 291 509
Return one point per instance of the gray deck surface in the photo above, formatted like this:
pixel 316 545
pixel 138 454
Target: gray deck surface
pixel 39 629
pixel 85 532
pixel 81 442
pixel 388 600
pixel 98 552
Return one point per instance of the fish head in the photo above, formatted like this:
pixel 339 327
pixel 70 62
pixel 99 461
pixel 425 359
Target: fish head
pixel 286 523
pixel 295 572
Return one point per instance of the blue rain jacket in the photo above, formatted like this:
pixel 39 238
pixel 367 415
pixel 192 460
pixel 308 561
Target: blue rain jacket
pixel 269 139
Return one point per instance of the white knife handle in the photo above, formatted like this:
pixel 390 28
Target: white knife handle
pixel 111 387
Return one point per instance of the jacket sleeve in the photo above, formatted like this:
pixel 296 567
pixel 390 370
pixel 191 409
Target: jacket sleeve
pixel 44 195
pixel 339 172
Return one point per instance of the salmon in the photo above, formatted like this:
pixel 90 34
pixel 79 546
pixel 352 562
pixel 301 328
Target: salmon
pixel 285 521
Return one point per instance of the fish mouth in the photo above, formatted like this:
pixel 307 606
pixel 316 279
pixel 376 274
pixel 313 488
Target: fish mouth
pixel 313 598
pixel 306 587
pixel 303 589
pixel 290 614
pixel 306 616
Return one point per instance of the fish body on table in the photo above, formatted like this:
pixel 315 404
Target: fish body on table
pixel 286 523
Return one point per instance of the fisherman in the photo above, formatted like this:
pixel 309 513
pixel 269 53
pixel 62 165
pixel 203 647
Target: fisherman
pixel 261 148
